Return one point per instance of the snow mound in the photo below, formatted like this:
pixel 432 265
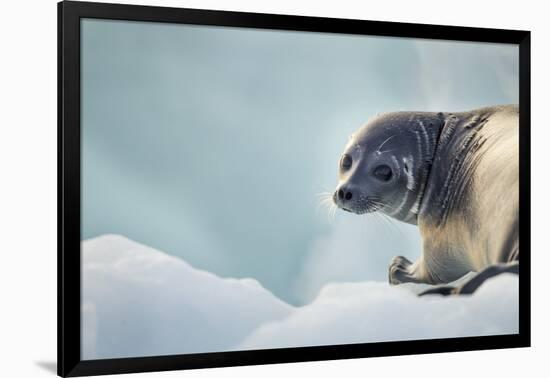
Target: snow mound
pixel 138 301
pixel 375 312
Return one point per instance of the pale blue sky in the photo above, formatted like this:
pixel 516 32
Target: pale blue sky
pixel 212 143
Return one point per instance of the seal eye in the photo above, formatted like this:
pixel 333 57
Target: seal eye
pixel 382 172
pixel 346 162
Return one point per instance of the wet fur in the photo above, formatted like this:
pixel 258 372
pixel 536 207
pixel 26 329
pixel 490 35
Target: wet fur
pixel 468 214
pixel 468 220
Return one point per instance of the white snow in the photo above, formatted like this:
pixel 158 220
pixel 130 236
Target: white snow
pixel 374 312
pixel 138 301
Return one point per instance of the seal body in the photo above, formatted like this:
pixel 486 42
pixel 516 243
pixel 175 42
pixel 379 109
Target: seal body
pixel 469 214
pixel 455 175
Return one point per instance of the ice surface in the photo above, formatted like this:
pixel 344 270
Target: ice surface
pixel 138 301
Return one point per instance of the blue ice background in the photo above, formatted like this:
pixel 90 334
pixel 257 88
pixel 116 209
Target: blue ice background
pixel 212 143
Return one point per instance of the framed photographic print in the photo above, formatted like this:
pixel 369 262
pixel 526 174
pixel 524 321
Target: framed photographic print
pixel 239 188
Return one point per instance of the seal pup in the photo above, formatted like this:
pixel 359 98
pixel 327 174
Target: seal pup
pixel 455 175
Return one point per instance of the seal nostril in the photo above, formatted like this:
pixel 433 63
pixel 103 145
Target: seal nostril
pixel 341 194
pixel 348 196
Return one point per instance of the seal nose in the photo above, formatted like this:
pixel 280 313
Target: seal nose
pixel 345 194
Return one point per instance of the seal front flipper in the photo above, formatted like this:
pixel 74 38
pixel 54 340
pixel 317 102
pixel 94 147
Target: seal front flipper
pixel 476 281
pixel 401 270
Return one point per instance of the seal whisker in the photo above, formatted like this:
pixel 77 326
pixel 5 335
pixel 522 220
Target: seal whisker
pixel 386 219
pixel 380 219
pixel 326 201
pixel 393 224
pixel 333 213
pixel 326 205
pixel 387 224
pixel 383 143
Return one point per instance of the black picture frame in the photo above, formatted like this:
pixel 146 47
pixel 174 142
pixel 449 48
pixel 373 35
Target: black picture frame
pixel 69 295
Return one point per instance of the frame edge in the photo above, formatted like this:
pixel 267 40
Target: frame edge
pixel 69 361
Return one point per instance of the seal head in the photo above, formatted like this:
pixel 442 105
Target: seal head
pixel 386 164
